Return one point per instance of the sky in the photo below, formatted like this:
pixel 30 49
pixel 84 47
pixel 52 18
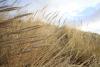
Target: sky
pixel 85 13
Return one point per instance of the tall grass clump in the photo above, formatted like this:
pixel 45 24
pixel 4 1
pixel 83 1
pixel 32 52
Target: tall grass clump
pixel 28 43
pixel 39 44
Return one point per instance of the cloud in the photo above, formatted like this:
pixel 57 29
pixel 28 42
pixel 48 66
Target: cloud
pixel 71 7
pixel 93 26
pixel 92 22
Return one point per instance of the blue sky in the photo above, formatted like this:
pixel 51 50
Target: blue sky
pixel 74 10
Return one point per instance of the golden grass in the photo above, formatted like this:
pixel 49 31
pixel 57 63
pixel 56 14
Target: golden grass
pixel 39 44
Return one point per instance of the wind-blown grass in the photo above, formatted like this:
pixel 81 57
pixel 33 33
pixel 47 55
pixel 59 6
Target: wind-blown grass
pixel 39 44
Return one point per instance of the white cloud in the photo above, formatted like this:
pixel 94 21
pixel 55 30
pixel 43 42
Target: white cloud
pixel 93 26
pixel 74 7
pixel 71 7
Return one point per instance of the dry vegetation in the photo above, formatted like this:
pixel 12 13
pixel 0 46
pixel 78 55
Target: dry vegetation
pixel 39 44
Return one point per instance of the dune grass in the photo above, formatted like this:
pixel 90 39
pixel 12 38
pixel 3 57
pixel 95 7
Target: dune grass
pixel 40 44
pixel 37 43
